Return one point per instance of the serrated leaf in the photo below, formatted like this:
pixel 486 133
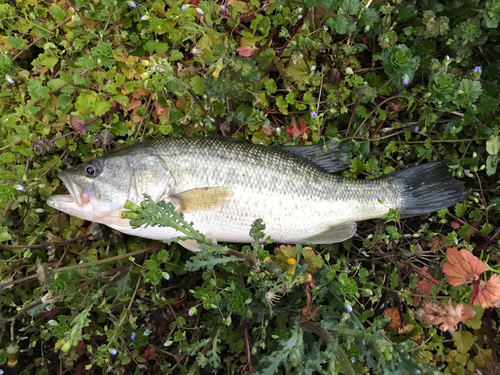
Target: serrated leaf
pixel 197 85
pixel 100 107
pixel 7 157
pixel 463 341
pixel 83 102
pixel 478 318
pixel 17 42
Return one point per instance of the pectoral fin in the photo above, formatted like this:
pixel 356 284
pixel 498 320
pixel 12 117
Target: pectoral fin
pixel 200 199
pixel 334 234
pixel 192 245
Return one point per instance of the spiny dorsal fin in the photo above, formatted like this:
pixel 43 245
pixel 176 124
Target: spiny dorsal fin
pixel 201 199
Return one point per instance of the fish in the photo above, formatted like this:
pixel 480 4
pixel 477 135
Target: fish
pixel 223 186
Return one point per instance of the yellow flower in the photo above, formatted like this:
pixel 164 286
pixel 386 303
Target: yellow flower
pixel 291 261
pixel 267 259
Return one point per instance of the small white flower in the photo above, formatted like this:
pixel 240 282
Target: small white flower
pixel 278 129
pixel 299 9
pixel 300 16
pixel 20 187
pixel 325 28
pixel 313 67
pixel 272 297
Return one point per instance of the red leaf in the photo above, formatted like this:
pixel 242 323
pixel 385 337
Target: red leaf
pixel 488 292
pixel 393 313
pixel 461 267
pixel 149 353
pixel 298 131
pixel 455 224
pixel 424 284
pixel 77 124
pixel 246 51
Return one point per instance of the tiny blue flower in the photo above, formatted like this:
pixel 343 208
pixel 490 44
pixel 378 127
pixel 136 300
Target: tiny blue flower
pixel 1 372
pixel 313 67
pixel 146 333
pixel 143 18
pixel 48 308
pixel 447 58
pixel 261 143
pixel 405 81
pixel 349 70
pixel 352 360
pixel 133 5
pixel 407 235
pixel 166 343
pixel 190 313
pixel 20 187
pixel 132 336
pixel 379 197
pixel 52 322
pixel 314 114
pixel 199 11
pixel 278 129
pixel 113 351
pixel 10 80
pixel 184 7
pixel 348 308
pixel 416 129
pixel 456 242
pixel 479 372
pixel 371 293
pixel 167 277
pixel 466 171
pixel 477 69
pixel 325 28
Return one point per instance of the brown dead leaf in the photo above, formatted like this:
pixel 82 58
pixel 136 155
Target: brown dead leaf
pixel 134 104
pixel 246 51
pixel 395 317
pixel 149 353
pixel 489 292
pixel 77 123
pixel 160 110
pixel 445 315
pixel 437 242
pixel 424 284
pixel 462 267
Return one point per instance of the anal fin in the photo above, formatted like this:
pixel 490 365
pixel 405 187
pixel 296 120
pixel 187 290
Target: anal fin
pixel 337 233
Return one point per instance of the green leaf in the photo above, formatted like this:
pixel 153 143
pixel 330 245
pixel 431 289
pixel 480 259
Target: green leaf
pixel 176 55
pixel 463 341
pixel 493 145
pixel 83 102
pixel 477 322
pixel 58 13
pixel 197 85
pixel 350 6
pixel 17 42
pixel 100 107
pixel 7 157
pixel 37 90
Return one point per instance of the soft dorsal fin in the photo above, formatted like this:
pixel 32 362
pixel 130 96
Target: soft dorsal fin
pixel 336 157
pixel 200 199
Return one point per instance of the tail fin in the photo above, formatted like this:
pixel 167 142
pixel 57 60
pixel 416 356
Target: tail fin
pixel 427 188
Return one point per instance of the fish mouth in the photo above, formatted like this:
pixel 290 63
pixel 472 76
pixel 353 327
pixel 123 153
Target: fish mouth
pixel 72 197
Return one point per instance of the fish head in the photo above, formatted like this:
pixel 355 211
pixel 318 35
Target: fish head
pixel 99 188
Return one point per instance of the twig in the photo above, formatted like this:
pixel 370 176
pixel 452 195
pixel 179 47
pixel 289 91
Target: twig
pixel 292 35
pixel 352 118
pixel 35 41
pixel 245 327
pixel 197 100
pixel 491 336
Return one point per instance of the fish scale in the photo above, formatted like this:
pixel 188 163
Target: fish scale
pixel 224 186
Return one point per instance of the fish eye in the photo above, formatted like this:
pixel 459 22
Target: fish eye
pixel 92 170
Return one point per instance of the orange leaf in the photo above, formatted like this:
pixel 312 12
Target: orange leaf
pixel 455 224
pixel 462 267
pixel 149 353
pixel 246 51
pixel 394 315
pixel 134 104
pixel 488 292
pixel 424 284
pixel 296 132
pixel 445 315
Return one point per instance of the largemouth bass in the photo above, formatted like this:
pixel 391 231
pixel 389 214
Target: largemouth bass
pixel 223 186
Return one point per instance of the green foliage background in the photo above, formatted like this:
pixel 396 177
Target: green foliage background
pixel 399 82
